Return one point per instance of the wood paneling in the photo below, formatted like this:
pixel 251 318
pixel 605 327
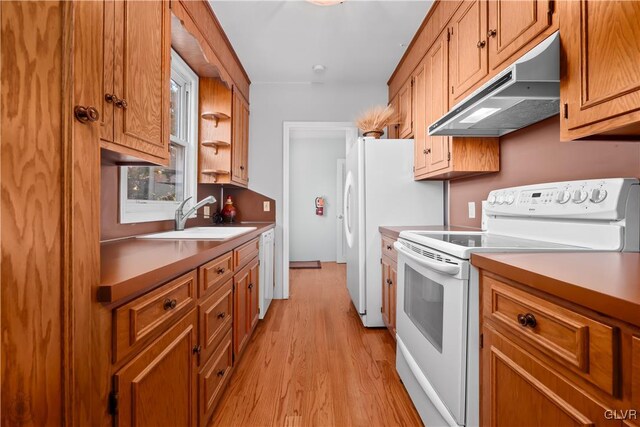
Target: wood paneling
pixel 159 385
pixel 317 364
pixel 600 85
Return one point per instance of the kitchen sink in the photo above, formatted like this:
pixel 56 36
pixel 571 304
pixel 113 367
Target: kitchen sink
pixel 200 233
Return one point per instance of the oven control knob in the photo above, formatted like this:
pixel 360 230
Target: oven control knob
pixel 563 197
pixel 492 199
pixel 579 196
pixel 510 199
pixel 500 199
pixel 598 195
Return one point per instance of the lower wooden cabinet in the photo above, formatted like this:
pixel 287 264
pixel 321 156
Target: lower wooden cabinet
pixel 245 305
pixel 213 378
pixel 389 286
pixel 159 386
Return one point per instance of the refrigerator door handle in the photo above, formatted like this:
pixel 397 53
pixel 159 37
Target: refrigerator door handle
pixel 348 186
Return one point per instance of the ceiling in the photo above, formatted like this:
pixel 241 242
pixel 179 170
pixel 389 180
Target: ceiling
pixel 358 41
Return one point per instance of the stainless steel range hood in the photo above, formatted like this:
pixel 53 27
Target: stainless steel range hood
pixel 525 93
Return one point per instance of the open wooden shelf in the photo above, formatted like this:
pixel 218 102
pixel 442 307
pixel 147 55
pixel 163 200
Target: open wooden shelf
pixel 214 172
pixel 215 115
pixel 215 144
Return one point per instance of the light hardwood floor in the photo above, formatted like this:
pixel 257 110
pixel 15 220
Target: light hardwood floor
pixel 312 363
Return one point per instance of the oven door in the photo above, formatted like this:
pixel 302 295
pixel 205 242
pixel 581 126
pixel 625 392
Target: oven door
pixel 432 324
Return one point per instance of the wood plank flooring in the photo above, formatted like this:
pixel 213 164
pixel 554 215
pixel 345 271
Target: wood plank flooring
pixel 311 362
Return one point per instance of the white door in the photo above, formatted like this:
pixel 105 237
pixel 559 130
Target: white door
pixel 341 250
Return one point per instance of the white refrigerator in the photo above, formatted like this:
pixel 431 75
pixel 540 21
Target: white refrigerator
pixel 380 190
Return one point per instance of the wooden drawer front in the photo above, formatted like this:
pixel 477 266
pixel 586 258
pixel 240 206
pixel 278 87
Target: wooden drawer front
pixel 575 341
pixel 215 273
pixel 216 313
pixel 635 372
pixel 245 253
pixel 213 377
pixel 388 249
pixel 152 313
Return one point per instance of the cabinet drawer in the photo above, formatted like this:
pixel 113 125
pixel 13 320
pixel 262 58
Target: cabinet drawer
pixel 152 313
pixel 215 273
pixel 245 253
pixel 575 341
pixel 213 378
pixel 387 248
pixel 215 315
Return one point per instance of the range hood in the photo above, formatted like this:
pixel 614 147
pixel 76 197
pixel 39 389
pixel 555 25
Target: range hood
pixel 526 92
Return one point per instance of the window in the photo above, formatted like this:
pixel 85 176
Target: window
pixel 152 193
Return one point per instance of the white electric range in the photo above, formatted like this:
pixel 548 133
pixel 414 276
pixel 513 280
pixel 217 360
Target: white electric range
pixel 438 296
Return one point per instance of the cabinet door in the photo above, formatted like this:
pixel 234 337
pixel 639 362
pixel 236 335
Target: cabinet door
pixel 601 77
pixel 107 46
pixel 393 286
pixel 468 50
pixel 160 384
pixel 437 147
pixel 240 295
pixel 239 139
pixel 142 70
pixel 518 390
pixel 420 95
pixel 513 24
pixel 393 131
pixel 253 302
pixel 245 144
pixel 406 113
pixel 385 293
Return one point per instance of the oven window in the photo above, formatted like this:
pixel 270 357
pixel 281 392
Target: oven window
pixel 423 303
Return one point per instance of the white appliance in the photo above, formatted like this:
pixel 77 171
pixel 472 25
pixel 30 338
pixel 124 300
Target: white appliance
pixel 438 297
pixel 267 282
pixel 379 190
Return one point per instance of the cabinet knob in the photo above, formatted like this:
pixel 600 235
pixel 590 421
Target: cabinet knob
pixel 388 247
pixel 170 304
pixel 389 282
pixel 250 285
pixel 197 349
pixel 481 44
pixel 121 103
pixel 86 114
pixel 111 98
pixel 426 151
pixel 491 33
pixel 221 270
pixel 221 372
pixel 241 168
pixel 221 315
pixel 527 320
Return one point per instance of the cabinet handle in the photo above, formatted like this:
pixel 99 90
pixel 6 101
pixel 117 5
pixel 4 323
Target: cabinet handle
pixel 221 372
pixel 426 151
pixel 250 285
pixel 481 44
pixel 170 304
pixel 86 114
pixel 121 103
pixel 221 270
pixel 221 315
pixel 491 33
pixel 241 168
pixel 389 282
pixel 527 320
pixel 111 98
pixel 388 247
pixel 197 349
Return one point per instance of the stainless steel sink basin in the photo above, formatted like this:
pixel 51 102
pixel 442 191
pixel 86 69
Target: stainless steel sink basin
pixel 201 233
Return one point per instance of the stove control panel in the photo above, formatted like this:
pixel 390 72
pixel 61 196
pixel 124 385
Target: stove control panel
pixel 596 199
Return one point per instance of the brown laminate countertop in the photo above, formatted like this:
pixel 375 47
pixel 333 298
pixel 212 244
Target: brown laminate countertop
pixel 393 231
pixel 606 282
pixel 130 267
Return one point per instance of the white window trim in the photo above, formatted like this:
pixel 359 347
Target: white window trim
pixel 152 210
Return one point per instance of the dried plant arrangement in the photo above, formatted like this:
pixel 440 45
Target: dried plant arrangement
pixel 373 121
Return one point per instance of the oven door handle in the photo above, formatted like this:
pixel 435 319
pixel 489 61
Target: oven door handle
pixel 440 267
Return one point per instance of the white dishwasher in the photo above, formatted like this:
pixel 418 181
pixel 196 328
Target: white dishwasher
pixel 267 282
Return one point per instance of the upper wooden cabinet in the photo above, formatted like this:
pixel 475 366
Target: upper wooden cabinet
pixel 137 67
pixel 240 140
pixel 468 63
pixel 393 131
pixel 600 87
pixel 513 25
pixel 405 101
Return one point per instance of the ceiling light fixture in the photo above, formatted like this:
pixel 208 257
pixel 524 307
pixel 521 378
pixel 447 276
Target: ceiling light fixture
pixel 319 68
pixel 325 2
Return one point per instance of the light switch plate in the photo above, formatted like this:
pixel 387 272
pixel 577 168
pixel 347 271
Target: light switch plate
pixel 207 211
pixel 266 206
pixel 472 210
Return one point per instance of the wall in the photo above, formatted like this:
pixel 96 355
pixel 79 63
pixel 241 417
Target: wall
pixel 271 105
pixel 536 154
pixel 313 173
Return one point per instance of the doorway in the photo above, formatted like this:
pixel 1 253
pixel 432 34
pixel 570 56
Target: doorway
pixel 313 164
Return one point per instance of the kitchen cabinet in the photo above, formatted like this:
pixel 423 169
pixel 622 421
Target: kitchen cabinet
pixel 246 308
pixel 599 89
pixel 214 377
pixel 468 63
pixel 160 384
pixel 513 25
pixel 393 131
pixel 389 286
pixel 405 102
pixel 420 137
pixel 136 56
pixel 240 140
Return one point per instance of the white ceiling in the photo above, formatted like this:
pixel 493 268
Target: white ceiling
pixel 359 41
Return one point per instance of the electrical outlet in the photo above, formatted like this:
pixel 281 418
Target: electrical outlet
pixel 207 211
pixel 472 210
pixel 266 206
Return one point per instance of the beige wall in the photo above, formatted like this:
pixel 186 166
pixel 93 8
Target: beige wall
pixel 535 155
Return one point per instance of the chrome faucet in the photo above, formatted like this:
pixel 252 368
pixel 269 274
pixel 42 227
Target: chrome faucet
pixel 181 218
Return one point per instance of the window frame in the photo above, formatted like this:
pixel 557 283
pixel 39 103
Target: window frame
pixel 135 211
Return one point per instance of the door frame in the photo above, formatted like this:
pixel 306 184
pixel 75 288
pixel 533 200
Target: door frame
pixel 351 135
pixel 341 167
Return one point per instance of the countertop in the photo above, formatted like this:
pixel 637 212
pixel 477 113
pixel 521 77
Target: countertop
pixel 394 231
pixel 130 267
pixel 606 282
